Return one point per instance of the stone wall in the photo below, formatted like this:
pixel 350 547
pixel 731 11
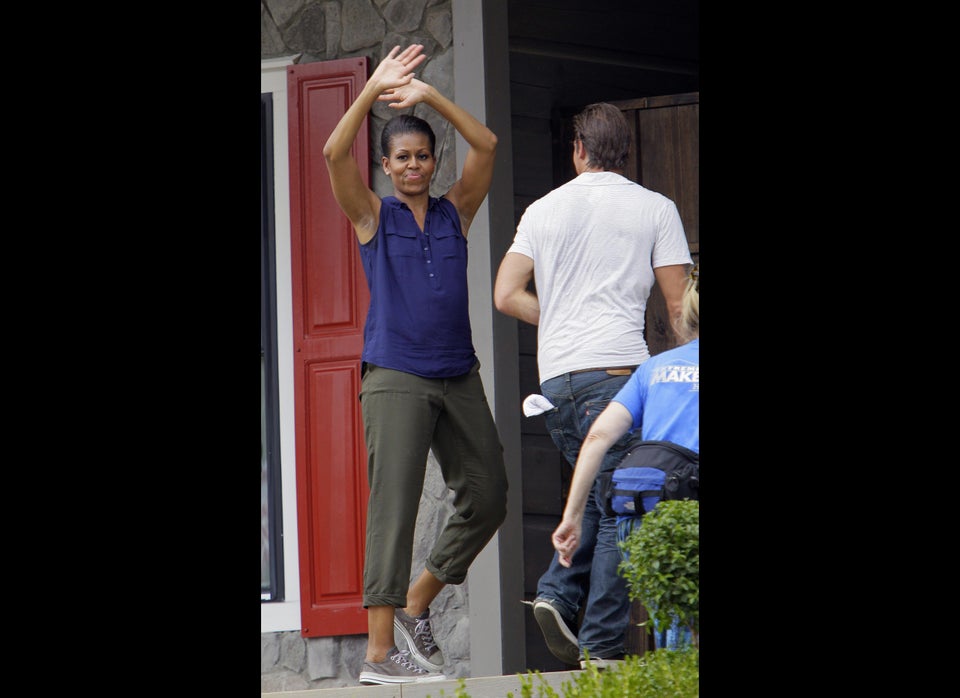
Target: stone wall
pixel 320 30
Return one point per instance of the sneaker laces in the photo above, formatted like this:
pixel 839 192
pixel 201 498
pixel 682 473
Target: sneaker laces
pixel 402 657
pixel 423 630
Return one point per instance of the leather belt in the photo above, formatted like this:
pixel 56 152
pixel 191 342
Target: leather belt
pixel 618 371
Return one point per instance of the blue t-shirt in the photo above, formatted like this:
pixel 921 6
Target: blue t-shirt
pixel 663 395
pixel 419 317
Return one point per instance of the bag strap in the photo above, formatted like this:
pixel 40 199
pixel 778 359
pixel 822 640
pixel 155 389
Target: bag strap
pixel 687 453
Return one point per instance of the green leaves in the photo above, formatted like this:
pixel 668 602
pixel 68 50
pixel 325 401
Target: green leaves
pixel 662 566
pixel 662 673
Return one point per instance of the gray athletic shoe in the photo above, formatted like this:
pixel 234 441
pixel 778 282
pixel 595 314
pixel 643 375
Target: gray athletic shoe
pixel 398 667
pixel 419 638
pixel 560 639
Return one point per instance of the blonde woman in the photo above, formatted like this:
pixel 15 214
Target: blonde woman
pixel 661 399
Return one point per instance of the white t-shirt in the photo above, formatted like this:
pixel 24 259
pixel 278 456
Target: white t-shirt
pixel 594 242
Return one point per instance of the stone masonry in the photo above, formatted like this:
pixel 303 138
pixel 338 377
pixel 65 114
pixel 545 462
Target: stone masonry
pixel 320 30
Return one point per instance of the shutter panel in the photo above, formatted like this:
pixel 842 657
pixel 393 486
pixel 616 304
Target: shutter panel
pixel 330 300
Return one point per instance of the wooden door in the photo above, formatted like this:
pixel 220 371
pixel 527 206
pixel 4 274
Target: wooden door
pixel 667 160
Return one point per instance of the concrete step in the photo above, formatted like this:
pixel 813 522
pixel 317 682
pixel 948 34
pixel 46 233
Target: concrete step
pixel 481 687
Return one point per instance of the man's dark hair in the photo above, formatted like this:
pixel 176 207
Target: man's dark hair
pixel 605 134
pixel 405 123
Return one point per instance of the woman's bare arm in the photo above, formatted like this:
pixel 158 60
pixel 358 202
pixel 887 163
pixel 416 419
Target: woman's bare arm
pixel 360 204
pixel 606 430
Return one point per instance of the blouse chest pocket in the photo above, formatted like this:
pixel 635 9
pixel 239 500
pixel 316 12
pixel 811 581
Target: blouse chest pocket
pixel 449 243
pixel 403 243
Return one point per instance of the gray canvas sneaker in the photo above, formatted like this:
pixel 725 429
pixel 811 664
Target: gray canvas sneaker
pixel 419 638
pixel 398 667
pixel 560 638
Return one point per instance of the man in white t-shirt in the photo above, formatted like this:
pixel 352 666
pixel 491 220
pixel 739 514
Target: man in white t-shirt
pixel 595 246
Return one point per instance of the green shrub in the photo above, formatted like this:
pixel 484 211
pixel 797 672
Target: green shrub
pixel 659 674
pixel 662 568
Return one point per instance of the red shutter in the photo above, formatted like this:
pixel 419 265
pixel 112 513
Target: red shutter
pixel 330 300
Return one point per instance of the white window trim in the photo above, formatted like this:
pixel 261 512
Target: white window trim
pixel 281 616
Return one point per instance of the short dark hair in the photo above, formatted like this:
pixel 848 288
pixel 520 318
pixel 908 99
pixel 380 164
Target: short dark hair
pixel 405 123
pixel 604 132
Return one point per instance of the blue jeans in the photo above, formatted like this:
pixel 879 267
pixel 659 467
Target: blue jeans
pixel 592 580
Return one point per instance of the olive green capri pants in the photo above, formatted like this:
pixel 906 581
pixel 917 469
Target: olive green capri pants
pixel 404 416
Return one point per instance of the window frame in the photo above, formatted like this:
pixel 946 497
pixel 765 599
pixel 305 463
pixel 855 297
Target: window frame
pixel 273 590
pixel 283 616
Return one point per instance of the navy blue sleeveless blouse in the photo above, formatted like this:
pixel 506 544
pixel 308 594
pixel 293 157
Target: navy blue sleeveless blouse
pixel 419 319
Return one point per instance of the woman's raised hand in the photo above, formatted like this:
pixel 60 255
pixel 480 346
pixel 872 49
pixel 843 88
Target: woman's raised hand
pixel 396 70
pixel 405 95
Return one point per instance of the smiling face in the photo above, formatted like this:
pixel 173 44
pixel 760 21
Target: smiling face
pixel 411 164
